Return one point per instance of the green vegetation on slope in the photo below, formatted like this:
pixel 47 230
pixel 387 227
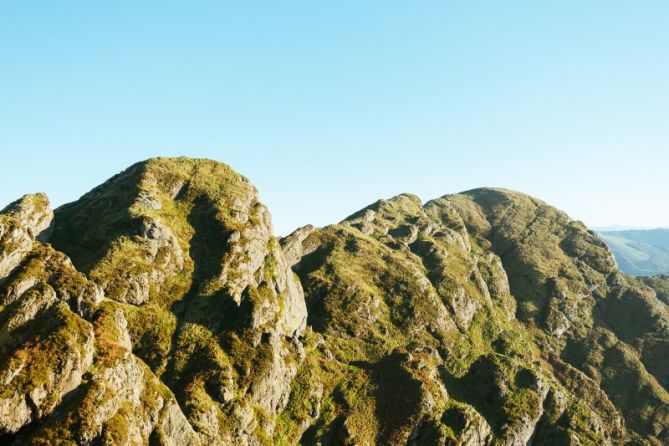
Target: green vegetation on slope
pixel 486 317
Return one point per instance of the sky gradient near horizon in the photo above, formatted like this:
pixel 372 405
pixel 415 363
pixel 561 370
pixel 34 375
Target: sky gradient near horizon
pixel 328 106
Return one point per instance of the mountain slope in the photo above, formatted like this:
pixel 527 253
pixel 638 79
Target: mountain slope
pixel 159 309
pixel 640 252
pixel 192 307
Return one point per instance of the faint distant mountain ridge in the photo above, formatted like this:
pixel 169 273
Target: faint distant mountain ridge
pixel 640 252
pixel 616 228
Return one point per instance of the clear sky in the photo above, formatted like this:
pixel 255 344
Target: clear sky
pixel 328 106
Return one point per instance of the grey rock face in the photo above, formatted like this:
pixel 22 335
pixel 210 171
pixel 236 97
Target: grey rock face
pixel 476 431
pixel 174 426
pixel 521 434
pixel 464 307
pixel 34 213
pixel 15 243
pixel 125 389
pixel 292 245
pixel 158 258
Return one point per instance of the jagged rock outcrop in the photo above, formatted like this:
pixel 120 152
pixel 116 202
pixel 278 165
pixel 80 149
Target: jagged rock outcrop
pixel 34 213
pixel 20 223
pixel 160 309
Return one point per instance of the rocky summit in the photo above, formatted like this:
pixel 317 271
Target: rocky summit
pixel 159 308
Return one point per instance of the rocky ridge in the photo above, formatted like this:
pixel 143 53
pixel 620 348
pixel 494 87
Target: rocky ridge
pixel 160 309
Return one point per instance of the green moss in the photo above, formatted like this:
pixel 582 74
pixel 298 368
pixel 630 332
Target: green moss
pixel 454 420
pixel 578 421
pixel 59 337
pixel 107 336
pixel 270 263
pixel 199 353
pixel 310 395
pixel 151 328
pixel 115 430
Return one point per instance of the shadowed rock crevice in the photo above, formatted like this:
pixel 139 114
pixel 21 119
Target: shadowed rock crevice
pixel 394 409
pixel 78 230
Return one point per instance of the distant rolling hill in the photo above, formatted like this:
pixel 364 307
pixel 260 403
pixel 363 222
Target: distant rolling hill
pixel 640 252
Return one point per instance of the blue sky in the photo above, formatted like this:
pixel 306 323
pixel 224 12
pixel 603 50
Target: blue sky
pixel 328 106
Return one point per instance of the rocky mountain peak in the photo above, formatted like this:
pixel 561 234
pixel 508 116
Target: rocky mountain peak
pixel 162 310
